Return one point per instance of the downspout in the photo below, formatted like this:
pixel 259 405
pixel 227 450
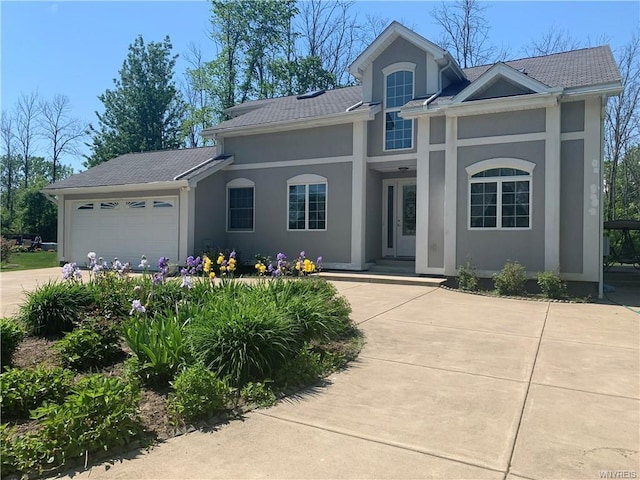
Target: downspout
pixel 354 106
pixel 431 98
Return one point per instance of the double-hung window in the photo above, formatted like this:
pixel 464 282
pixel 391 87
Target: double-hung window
pixel 307 203
pixel 500 194
pixel 399 82
pixel 240 205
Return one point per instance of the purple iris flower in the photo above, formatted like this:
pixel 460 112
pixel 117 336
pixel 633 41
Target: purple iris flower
pixel 232 254
pixel 136 306
pixel 302 254
pixel 158 278
pixel 187 282
pixel 281 257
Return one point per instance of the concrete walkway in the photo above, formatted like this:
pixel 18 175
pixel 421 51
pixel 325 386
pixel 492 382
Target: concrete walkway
pixel 448 386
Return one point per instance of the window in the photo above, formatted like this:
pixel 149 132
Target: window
pixel 500 194
pixel 307 203
pixel 86 206
pixel 136 204
pixel 162 204
pixel 398 132
pixel 240 205
pixel 108 205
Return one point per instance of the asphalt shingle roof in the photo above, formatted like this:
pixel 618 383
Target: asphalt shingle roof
pixel 145 167
pixel 291 108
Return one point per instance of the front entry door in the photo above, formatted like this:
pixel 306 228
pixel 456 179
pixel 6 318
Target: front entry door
pixel 399 221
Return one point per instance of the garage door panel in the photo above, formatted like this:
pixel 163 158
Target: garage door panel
pixel 125 232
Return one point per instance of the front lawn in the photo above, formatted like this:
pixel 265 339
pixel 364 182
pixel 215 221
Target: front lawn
pixel 30 260
pixel 121 358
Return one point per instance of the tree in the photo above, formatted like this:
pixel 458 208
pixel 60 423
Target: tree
pixel 200 104
pixel 10 164
pixel 61 131
pixel 144 111
pixel 554 40
pixel 466 32
pixel 27 114
pixel 622 121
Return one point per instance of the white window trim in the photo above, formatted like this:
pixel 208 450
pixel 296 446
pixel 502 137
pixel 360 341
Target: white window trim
pixel 306 180
pixel 500 163
pixel 386 71
pixel 241 183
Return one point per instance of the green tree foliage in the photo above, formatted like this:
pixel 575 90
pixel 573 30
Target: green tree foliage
pixel 144 110
pixel 627 180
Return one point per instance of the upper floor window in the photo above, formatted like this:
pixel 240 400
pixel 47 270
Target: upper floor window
pixel 307 203
pixel 500 194
pixel 399 80
pixel 240 205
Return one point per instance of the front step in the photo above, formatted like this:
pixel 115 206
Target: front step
pixel 394 265
pixel 367 277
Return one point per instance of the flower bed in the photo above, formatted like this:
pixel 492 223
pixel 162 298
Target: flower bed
pixel 139 357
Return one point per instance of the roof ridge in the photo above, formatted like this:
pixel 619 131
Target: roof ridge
pixel 537 56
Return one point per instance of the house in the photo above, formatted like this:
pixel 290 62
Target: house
pixel 421 160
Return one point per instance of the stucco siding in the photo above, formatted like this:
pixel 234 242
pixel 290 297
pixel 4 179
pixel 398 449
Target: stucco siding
pixel 437 128
pixel 501 88
pixel 436 210
pixel 319 142
pixel 571 205
pixel 490 249
pixel 210 214
pixel 373 245
pixel 270 234
pixel 572 116
pixel 507 123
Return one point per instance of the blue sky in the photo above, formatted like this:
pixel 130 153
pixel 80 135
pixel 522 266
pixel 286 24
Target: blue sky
pixel 77 48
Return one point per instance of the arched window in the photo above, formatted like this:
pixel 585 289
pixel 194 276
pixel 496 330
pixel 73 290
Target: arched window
pixel 307 202
pixel 398 90
pixel 500 194
pixel 240 205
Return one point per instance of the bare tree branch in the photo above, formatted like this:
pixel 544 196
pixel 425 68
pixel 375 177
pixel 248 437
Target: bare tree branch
pixel 27 114
pixel 554 40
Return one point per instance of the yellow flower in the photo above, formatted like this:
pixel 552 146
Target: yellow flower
pixel 262 269
pixel 207 264
pixel 232 261
pixel 298 265
pixel 212 275
pixel 223 268
pixel 220 259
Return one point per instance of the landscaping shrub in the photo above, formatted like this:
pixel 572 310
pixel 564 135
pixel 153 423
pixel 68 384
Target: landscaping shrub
pixel 259 393
pixel 245 337
pixel 113 294
pixel 11 334
pixel 85 348
pixel 302 370
pixel 467 277
pixel 5 249
pixel 159 345
pixel 22 390
pixel 98 414
pixel 511 279
pixel 54 307
pixel 552 285
pixel 197 394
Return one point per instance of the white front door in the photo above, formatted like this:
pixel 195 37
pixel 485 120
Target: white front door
pixel 399 218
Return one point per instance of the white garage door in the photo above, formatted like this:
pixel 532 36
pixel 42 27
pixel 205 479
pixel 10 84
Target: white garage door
pixel 124 228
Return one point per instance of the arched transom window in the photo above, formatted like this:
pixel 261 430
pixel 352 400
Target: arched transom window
pixel 500 194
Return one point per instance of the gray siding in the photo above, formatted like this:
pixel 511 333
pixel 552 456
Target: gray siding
pixel 436 210
pixel 437 130
pixel 572 116
pixel 210 214
pixel 571 205
pixel 501 88
pixel 270 234
pixel 91 196
pixel 373 246
pixel 508 123
pixel 489 250
pixel 319 142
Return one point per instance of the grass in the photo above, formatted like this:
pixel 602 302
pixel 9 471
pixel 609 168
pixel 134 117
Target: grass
pixel 30 260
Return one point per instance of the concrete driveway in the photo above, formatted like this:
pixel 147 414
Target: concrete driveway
pixel 449 385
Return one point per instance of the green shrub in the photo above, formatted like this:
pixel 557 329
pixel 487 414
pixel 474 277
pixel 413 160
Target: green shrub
pixel 113 294
pixel 22 453
pixel 511 279
pixel 11 334
pixel 55 307
pixel 467 277
pixel 84 348
pixel 98 414
pixel 552 285
pixel 259 393
pixel 5 249
pixel 244 337
pixel 197 394
pixel 159 345
pixel 22 390
pixel 302 370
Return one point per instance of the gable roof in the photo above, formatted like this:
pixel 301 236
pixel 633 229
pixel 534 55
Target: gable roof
pixel 341 101
pixel 145 167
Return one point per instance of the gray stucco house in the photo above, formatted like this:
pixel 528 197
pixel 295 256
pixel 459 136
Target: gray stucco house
pixel 421 160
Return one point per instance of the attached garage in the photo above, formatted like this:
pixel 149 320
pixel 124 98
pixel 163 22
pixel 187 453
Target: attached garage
pixel 126 228
pixel 136 204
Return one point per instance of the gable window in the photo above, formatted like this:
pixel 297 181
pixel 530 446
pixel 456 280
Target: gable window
pixel 399 80
pixel 500 194
pixel 307 203
pixel 240 205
